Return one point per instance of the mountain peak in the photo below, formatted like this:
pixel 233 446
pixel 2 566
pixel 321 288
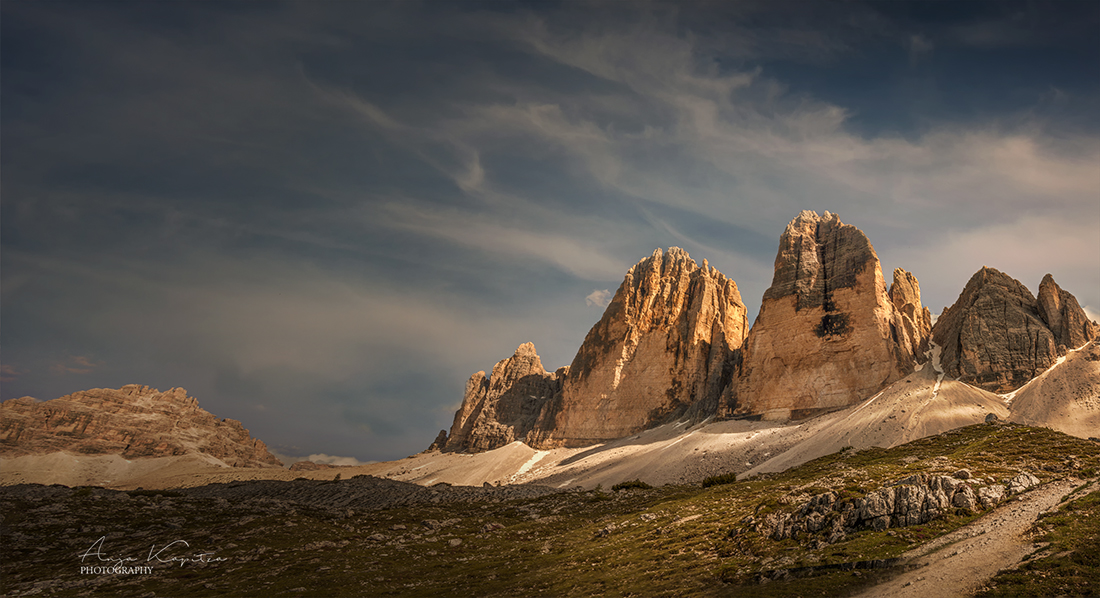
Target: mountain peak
pixel 666 343
pixel 994 337
pixel 134 421
pixel 828 333
pixel 1061 312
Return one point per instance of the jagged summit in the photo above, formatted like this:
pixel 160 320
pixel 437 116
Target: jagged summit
pixel 1067 321
pixel 667 342
pixel 998 336
pixel 818 255
pixel 828 333
pixel 504 407
pixel 916 320
pixel 674 343
pixel 134 421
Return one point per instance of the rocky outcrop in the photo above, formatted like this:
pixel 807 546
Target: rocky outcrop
pixel 914 500
pixel 1063 315
pixel 505 406
pixel 829 333
pixel 994 337
pixel 440 441
pixel 134 422
pixel 666 345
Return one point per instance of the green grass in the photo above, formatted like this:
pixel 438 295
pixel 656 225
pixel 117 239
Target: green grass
pixel 718 480
pixel 1068 566
pixel 667 541
pixel 632 484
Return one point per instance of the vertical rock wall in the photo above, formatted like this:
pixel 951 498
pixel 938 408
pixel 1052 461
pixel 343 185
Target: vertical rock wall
pixel 828 333
pixel 1064 316
pixel 667 342
pixel 997 336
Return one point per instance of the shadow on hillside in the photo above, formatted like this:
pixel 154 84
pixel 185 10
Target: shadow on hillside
pixel 672 431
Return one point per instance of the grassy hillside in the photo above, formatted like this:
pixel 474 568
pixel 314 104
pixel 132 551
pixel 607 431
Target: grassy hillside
pixel 667 541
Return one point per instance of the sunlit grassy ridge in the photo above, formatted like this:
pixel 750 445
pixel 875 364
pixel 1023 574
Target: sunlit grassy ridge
pixel 667 541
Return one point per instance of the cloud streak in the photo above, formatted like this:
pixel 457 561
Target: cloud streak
pixel 598 298
pixel 74 365
pixel 340 211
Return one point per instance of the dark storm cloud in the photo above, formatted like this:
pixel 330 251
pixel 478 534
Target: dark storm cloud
pixel 321 218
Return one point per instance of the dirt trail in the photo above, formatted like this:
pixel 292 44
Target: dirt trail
pixel 958 563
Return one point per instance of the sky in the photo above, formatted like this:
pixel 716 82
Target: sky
pixel 320 218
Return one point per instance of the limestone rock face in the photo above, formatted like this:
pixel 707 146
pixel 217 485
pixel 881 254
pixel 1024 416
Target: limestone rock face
pixel 1064 316
pixel 914 500
pixel 667 343
pixel 504 407
pixel 134 422
pixel 994 337
pixel 828 333
pixel 439 442
pixel 912 321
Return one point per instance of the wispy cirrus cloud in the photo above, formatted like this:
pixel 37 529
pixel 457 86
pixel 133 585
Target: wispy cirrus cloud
pixel 75 365
pixel 8 373
pixel 340 211
pixel 581 257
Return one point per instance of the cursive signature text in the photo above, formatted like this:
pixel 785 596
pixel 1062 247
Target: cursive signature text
pixel 169 553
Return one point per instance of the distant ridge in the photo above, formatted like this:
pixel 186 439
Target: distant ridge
pixel 134 422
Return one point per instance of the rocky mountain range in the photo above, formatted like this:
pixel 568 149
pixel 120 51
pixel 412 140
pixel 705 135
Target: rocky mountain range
pixel 668 342
pixel 134 421
pixel 674 342
pixel 674 349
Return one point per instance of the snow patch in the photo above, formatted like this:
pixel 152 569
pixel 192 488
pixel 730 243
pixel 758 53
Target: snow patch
pixel 938 367
pixel 529 464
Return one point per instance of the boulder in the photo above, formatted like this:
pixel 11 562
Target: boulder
pixel 666 346
pixel 910 503
pixel 877 504
pixel 829 334
pixel 989 496
pixel 1021 482
pixel 965 499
